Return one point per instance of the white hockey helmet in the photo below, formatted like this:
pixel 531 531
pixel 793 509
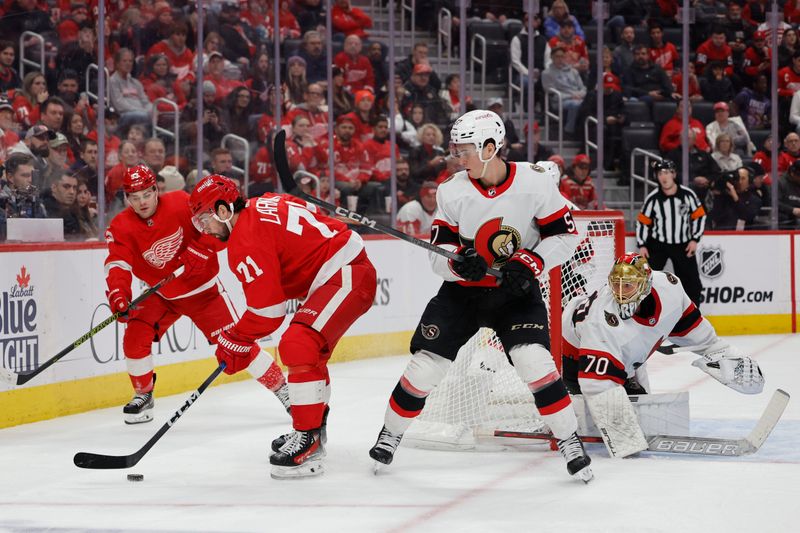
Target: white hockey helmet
pixel 552 171
pixel 476 127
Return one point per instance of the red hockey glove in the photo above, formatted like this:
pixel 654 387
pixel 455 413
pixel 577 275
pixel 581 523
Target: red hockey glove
pixel 235 351
pixel 119 299
pixel 195 258
pixel 520 273
pixel 472 268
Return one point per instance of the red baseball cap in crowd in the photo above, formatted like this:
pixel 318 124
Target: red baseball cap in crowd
pixel 363 93
pixel 760 35
pixel 609 80
pixel 581 159
pixel 535 127
pixel 422 68
pixel 721 106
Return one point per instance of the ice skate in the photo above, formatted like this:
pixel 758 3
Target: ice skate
pixel 139 409
pixel 577 460
pixel 383 451
pixel 300 456
pixel 323 434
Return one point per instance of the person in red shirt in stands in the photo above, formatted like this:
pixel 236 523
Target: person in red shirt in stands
pixel 363 114
pixel 379 150
pixel 671 133
pixel 303 151
pixel 356 67
pixel 758 56
pixel 789 78
pixel 181 58
pixel 715 48
pixel 577 186
pixel 790 152
pixel 662 53
pixel 350 20
pixel 694 83
pixel 351 169
pixel 311 109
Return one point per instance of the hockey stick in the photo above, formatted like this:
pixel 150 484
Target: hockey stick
pixel 673 348
pixel 285 175
pixel 23 377
pixel 674 444
pixel 98 461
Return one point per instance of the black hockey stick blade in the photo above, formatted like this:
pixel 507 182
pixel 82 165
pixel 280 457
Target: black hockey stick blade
pixel 684 445
pixel 23 377
pixel 97 461
pixel 290 187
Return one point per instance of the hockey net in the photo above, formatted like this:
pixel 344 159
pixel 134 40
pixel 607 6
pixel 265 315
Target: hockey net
pixel 482 392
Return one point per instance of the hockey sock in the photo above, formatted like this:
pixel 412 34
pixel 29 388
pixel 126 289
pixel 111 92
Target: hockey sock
pixel 424 371
pixel 266 371
pixel 141 373
pixel 307 395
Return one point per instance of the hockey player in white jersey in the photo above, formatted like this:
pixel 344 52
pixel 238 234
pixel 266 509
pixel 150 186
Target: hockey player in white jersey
pixel 612 332
pixel 502 215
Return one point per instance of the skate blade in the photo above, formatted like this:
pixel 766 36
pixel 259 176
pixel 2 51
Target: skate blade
pixel 310 468
pixel 141 418
pixel 585 474
pixel 378 467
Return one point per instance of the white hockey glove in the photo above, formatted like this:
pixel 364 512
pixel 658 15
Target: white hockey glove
pixel 730 367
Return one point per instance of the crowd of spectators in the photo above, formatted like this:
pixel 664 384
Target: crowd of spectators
pixel 50 115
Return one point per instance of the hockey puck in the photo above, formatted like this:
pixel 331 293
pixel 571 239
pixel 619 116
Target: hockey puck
pixel 135 477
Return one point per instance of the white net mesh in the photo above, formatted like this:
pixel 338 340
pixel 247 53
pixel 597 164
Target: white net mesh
pixel 482 392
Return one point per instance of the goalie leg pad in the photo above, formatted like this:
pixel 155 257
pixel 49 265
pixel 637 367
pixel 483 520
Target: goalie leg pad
pixel 535 366
pixel 614 416
pixel 424 371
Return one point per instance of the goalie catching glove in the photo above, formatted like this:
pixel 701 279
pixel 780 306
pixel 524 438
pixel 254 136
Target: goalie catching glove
pixel 520 273
pixel 472 268
pixel 727 365
pixel 235 351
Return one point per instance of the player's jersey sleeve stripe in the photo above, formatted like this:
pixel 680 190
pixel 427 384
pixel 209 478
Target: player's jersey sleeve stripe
pixel 690 319
pixel 272 311
pixel 444 233
pixel 553 217
pixel 118 264
pixel 589 366
pixel 558 223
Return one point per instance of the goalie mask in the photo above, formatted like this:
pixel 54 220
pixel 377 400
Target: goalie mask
pixel 630 281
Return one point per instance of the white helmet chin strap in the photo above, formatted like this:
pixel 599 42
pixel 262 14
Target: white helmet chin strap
pixel 485 162
pixel 226 221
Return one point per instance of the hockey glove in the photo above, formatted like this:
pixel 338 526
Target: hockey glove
pixel 235 351
pixel 731 368
pixel 520 273
pixel 119 299
pixel 195 258
pixel 472 268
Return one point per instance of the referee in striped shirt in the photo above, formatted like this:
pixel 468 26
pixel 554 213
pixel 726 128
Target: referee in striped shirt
pixel 670 225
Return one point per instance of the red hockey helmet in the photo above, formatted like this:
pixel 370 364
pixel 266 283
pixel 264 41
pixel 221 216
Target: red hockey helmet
pixel 210 190
pixel 138 178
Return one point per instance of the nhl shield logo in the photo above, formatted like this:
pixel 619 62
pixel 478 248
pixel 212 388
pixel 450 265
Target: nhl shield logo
pixel 711 265
pixel 429 332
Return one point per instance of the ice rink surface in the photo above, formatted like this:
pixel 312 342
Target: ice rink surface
pixel 211 470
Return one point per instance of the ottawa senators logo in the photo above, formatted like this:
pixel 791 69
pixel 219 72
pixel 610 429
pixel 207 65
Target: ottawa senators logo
pixel 429 332
pixel 672 279
pixel 611 319
pixel 497 242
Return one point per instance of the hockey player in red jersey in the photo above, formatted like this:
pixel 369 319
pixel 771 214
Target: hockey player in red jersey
pixel 280 248
pixel 610 334
pixel 150 240
pixel 509 216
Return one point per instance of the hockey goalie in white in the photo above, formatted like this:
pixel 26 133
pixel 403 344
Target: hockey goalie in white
pixel 612 332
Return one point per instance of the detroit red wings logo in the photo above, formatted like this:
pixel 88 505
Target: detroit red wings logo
pixel 495 242
pixel 163 250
